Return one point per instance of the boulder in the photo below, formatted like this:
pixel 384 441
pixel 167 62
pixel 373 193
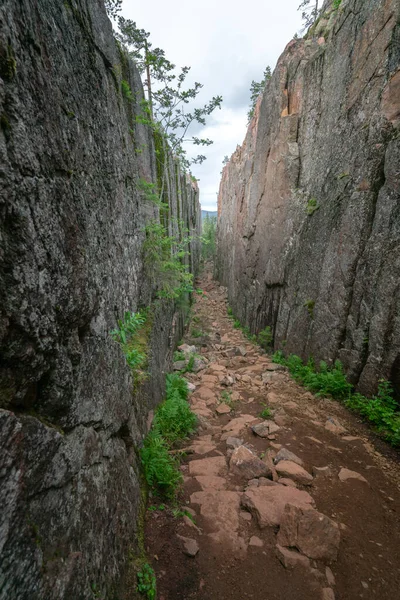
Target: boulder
pixel 267 503
pixel 311 532
pixel 291 558
pixel 265 428
pixel 189 546
pixel 346 474
pixel 285 454
pixel 247 465
pixel 287 468
pixel 213 466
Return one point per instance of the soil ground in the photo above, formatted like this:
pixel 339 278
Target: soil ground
pixel 226 567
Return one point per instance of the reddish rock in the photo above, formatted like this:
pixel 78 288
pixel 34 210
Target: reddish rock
pixel 311 532
pixel 287 468
pixel 265 428
pixel 211 482
pixel 286 481
pixel 189 546
pixel 346 474
pixel 256 541
pixel 322 472
pixel 267 503
pixel 208 466
pixel 247 465
pixel 223 409
pixel 291 558
pixel 285 454
pixel 327 594
pixel 334 426
pixel 220 511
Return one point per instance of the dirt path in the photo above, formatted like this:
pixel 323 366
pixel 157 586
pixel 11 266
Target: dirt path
pixel 271 525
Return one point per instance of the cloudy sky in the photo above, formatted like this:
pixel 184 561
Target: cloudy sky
pixel 227 44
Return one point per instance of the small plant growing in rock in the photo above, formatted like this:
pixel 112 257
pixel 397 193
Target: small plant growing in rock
pixel 196 333
pixel 147 584
pixel 312 206
pixel 266 412
pixel 132 334
pixel 229 311
pixel 309 305
pixel 126 90
pixel 226 398
pixel 265 338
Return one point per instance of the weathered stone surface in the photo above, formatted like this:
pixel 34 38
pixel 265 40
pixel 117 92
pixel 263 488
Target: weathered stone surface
pixel 267 504
pixel 72 232
pixel 345 474
pixel 291 558
pixel 256 541
pixel 233 442
pixel 247 465
pixel 322 471
pixel 220 510
pixel 311 532
pixel 308 204
pixel 328 594
pixel 334 426
pixel 265 428
pixel 223 409
pixel 189 546
pixel 285 454
pixel 287 468
pixel 213 466
pixel 211 482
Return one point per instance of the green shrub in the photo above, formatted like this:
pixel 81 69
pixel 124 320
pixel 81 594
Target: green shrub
pixel 382 410
pixel 126 90
pixel 173 422
pixel 147 582
pixel 161 470
pixel 265 338
pixel 133 333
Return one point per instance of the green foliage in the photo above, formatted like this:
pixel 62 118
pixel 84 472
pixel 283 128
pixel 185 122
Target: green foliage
pixel 196 333
pixel 173 422
pixel 161 470
pixel 382 410
pixel 237 324
pixel 336 4
pixel 265 338
pixel 229 311
pixel 128 326
pixel 256 88
pixel 312 206
pixel 164 259
pixel 165 109
pixel 208 238
pixel 179 356
pixel 150 194
pixel 266 413
pixel 226 398
pixel 310 305
pixel 132 334
pixel 189 367
pixel 126 90
pixel 147 582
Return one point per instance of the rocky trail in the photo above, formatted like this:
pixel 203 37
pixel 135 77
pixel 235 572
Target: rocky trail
pixel 302 505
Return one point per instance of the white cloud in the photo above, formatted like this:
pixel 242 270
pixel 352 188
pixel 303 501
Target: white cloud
pixel 227 44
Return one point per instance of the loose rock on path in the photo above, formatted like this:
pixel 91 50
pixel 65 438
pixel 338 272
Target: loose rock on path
pixel 300 506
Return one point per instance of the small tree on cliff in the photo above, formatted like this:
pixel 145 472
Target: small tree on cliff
pixel 255 90
pixel 166 108
pixel 310 11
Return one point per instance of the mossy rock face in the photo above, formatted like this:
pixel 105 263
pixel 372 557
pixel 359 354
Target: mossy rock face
pixel 8 64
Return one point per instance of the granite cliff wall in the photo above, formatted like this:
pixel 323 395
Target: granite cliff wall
pixel 71 262
pixel 309 205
